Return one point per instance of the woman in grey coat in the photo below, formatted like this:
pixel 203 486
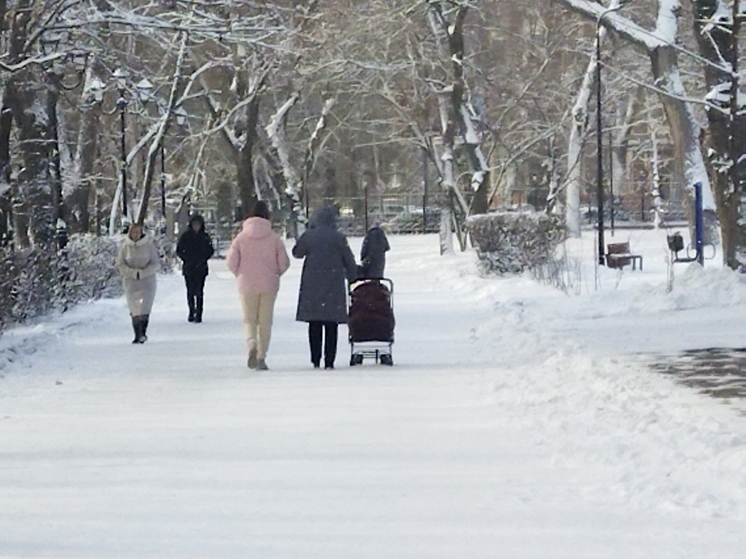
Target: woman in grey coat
pixel 137 263
pixel 322 301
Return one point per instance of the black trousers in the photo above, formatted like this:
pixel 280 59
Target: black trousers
pixel 328 332
pixel 195 285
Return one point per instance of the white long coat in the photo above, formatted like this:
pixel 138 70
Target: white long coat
pixel 137 263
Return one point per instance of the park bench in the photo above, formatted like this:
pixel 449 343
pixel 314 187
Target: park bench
pixel 618 255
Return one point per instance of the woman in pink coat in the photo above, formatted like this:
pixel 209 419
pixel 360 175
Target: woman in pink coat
pixel 258 258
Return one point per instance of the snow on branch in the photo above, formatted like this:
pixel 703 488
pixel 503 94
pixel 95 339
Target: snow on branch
pixel 201 22
pixel 310 156
pixel 162 127
pixel 624 26
pixel 276 133
pixel 41 60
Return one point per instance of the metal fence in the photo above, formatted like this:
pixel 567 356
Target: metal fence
pixel 400 214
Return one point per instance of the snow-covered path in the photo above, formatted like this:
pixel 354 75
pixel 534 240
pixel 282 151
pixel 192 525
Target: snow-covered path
pixel 175 449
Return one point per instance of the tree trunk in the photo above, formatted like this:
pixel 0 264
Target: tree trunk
pixel 245 157
pixel 78 194
pixel 618 149
pixel 661 49
pixel 6 199
pixel 727 121
pixel 452 110
pixel 33 196
pixel 55 162
pixel 684 132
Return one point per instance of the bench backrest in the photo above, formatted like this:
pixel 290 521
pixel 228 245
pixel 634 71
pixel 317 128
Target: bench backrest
pixel 617 248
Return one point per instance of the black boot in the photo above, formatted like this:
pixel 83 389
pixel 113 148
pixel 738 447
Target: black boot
pixel 198 311
pixel 137 327
pixel 192 307
pixel 144 319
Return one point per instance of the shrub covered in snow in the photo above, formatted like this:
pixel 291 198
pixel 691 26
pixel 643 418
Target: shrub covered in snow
pixel 39 280
pixel 512 242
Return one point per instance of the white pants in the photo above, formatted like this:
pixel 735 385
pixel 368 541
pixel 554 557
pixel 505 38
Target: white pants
pixel 258 309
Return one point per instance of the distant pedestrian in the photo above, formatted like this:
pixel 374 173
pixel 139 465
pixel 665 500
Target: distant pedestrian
pixel 195 249
pixel 137 263
pixel 322 301
pixel 257 257
pixel 373 253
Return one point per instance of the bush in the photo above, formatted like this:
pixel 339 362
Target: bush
pixel 37 281
pixel 513 242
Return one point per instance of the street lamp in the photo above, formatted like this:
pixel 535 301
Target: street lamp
pixel 122 106
pixel 612 202
pixel 424 190
pixel 49 43
pixel 120 78
pixel 144 90
pixel 181 115
pixel 599 137
pixel 95 90
pixel 79 58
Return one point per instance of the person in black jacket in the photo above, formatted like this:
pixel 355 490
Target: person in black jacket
pixel 373 253
pixel 195 249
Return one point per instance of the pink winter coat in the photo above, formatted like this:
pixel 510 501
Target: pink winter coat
pixel 257 257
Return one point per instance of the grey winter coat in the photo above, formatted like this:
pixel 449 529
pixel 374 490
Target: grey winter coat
pixel 373 253
pixel 137 263
pixel 328 262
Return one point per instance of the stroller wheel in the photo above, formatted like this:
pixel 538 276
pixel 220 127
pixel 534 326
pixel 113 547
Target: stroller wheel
pixel 356 359
pixel 386 359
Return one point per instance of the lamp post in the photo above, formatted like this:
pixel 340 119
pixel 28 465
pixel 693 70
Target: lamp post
pixel 599 137
pixel 120 77
pixel 424 191
pixel 144 90
pixel 611 181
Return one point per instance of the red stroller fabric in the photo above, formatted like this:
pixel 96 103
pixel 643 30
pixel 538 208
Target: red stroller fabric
pixel 371 318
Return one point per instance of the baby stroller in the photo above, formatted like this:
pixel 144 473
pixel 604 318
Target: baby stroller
pixel 371 321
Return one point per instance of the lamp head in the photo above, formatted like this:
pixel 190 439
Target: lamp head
pixel 181 115
pixel 96 90
pixel 120 77
pixel 80 60
pixel 144 90
pixel 49 43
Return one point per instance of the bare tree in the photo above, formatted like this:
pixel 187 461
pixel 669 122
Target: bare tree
pixel 660 44
pixel 717 28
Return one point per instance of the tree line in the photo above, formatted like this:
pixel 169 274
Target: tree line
pixel 105 102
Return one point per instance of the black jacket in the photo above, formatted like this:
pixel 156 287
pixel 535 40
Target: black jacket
pixel 373 253
pixel 195 249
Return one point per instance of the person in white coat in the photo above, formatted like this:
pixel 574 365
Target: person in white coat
pixel 137 263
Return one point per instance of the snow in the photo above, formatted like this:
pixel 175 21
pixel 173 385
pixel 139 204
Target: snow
pixel 667 22
pixel 517 422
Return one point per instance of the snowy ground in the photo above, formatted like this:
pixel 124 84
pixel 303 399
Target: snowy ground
pixel 518 422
